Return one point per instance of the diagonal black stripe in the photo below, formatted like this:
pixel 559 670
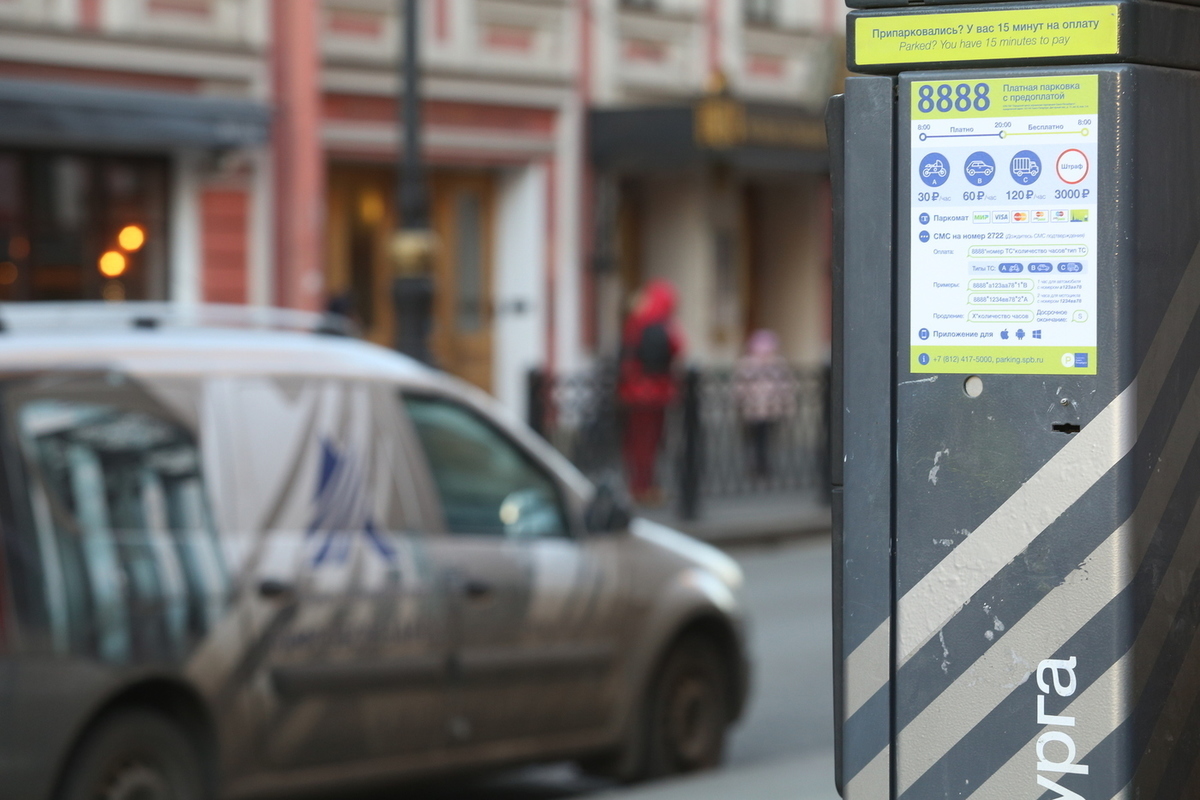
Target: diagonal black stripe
pixel 1056 552
pixel 1009 596
pixel 1011 724
pixel 867 733
pixel 1098 645
pixel 1183 759
pixel 1126 744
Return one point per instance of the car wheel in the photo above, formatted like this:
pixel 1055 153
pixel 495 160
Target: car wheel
pixel 689 710
pixel 135 755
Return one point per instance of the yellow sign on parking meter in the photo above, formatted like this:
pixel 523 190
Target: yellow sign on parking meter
pixel 1004 208
pixel 987 35
pixel 1014 477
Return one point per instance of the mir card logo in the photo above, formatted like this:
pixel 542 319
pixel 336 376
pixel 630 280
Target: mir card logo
pixel 343 508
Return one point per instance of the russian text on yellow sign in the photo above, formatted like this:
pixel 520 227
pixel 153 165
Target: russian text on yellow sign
pixel 1034 96
pixel 986 35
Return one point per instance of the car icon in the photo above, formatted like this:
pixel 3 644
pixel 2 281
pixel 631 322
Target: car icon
pixel 935 167
pixel 1025 166
pixel 978 167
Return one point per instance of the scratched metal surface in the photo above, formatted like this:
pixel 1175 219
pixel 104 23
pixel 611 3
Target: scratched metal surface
pixel 974 475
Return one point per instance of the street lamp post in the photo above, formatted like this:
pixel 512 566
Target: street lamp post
pixel 413 244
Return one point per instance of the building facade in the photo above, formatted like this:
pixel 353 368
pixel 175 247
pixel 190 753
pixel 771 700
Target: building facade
pixel 708 145
pixel 245 151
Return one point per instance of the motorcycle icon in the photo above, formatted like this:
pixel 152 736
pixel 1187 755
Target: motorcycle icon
pixel 934 170
pixel 935 167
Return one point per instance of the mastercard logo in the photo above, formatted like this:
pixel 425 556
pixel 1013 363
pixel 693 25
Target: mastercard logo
pixel 1020 216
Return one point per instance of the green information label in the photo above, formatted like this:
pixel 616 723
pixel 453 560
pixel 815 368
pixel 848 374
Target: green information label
pixel 1006 360
pixel 1004 35
pixel 1003 224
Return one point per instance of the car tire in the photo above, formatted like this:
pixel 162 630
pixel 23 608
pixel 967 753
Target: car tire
pixel 135 755
pixel 688 710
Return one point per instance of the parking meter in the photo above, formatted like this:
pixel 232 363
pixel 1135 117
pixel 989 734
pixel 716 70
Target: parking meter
pixel 1017 368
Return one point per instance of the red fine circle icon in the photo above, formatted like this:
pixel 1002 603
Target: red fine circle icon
pixel 1072 166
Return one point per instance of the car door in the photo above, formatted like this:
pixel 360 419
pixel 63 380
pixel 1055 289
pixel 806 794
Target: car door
pixel 347 655
pixel 534 606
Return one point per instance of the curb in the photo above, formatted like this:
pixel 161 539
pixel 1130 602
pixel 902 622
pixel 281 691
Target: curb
pixel 761 538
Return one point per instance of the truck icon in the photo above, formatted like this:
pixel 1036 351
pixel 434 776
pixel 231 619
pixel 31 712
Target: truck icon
pixel 935 167
pixel 1025 166
pixel 978 167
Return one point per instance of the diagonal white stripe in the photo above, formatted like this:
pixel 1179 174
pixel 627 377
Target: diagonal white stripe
pixel 1151 376
pixel 1003 536
pixel 867 668
pixel 873 782
pixel 1110 699
pixel 946 588
pixel 1045 628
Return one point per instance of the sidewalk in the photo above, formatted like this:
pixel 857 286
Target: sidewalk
pixel 749 520
pixel 809 777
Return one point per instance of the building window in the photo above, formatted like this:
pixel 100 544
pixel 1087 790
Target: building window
pixel 469 250
pixel 761 12
pixel 82 227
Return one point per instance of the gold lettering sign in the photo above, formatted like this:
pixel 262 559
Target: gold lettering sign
pixel 722 123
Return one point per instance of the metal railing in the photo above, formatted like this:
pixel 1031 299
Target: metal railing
pixel 722 439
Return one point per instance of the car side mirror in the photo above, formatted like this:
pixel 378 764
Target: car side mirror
pixel 610 510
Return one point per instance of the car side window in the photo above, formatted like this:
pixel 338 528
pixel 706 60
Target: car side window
pixel 119 501
pixel 487 484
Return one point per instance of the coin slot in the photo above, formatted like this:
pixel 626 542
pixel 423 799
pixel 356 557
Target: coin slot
pixel 1065 427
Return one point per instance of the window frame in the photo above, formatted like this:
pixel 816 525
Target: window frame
pixel 24 479
pixel 570 511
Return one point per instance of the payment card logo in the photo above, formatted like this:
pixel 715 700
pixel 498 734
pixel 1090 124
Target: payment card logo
pixel 1020 216
pixel 1079 215
pixel 981 217
pixel 1059 215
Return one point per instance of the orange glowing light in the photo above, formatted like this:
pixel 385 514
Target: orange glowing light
pixel 112 264
pixel 131 238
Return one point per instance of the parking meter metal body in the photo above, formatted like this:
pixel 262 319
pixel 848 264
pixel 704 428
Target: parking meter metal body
pixel 1017 364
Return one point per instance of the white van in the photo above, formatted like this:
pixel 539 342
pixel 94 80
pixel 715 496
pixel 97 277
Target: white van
pixel 238 561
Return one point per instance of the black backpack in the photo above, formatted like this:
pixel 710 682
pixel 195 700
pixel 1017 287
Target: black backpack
pixel 654 349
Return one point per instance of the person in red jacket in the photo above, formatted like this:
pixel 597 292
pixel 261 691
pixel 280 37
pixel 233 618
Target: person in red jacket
pixel 650 345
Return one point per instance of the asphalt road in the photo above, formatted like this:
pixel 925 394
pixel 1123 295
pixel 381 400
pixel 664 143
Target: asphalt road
pixel 791 709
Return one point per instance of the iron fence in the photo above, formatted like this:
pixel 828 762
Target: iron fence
pixel 721 438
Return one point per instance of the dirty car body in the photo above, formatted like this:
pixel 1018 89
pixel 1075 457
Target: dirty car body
pixel 321 564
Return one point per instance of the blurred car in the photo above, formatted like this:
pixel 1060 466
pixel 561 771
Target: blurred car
pixel 244 562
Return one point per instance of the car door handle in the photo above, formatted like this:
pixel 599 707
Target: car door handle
pixel 273 589
pixel 476 589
